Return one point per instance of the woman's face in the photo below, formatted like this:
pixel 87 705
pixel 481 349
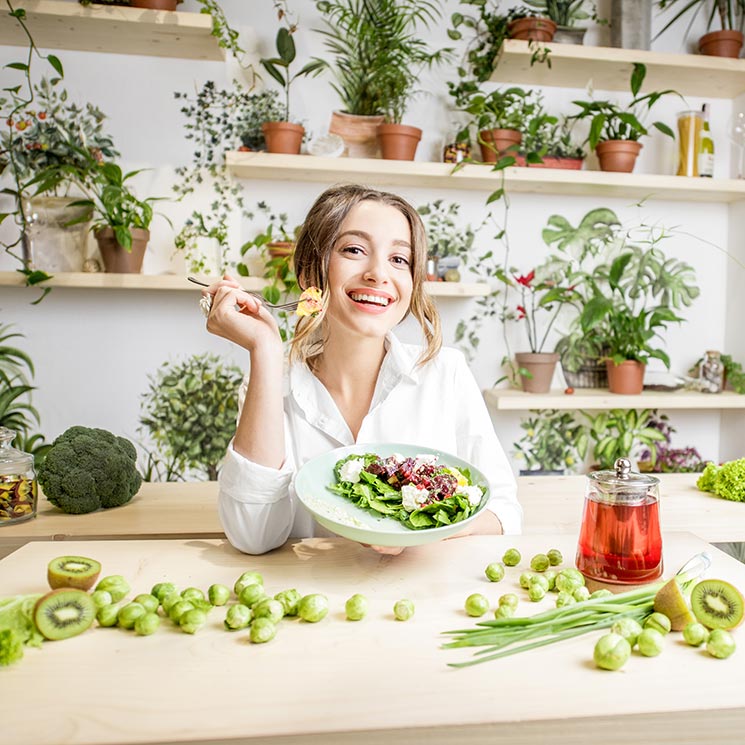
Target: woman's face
pixel 369 273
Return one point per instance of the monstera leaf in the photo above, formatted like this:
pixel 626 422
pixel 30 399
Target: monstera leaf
pixel 595 230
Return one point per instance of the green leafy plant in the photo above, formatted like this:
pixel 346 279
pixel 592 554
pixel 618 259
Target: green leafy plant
pixel 564 12
pixel 547 135
pixel 553 441
pixel 726 481
pixel 610 121
pixel 189 411
pixel 446 235
pixel 731 13
pixel 378 71
pixel 669 459
pixel 621 433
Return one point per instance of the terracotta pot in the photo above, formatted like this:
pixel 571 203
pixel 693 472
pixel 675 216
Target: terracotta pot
pixel 360 133
pixel 532 29
pixel 721 44
pixel 277 249
pixel 497 143
pixel 116 259
pixel 541 366
pixel 564 164
pixel 155 4
pixel 398 141
pixel 283 137
pixel 627 378
pixel 618 155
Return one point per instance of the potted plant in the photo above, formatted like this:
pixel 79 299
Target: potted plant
pixel 374 72
pixel 726 42
pixel 615 130
pixel 553 443
pixel 284 136
pixel 565 14
pixel 548 143
pixel 622 433
pixel 528 25
pixel 498 117
pixel 52 144
pixel 668 459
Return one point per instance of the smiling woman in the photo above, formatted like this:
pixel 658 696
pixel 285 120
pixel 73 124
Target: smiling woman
pixel 350 380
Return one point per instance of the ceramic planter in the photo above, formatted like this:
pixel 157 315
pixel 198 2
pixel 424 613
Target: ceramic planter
pixel 155 4
pixel 360 133
pixel 116 259
pixel 541 366
pixel 564 164
pixel 498 141
pixel 283 137
pixel 398 141
pixel 618 155
pixel 626 378
pixel 569 35
pixel 721 44
pixel 532 29
pixel 280 249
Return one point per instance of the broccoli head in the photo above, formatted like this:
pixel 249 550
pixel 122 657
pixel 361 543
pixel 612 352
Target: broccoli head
pixel 87 468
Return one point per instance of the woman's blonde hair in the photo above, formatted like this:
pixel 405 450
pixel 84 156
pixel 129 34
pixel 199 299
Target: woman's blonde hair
pixel 315 243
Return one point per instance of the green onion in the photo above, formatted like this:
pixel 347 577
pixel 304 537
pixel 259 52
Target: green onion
pixel 507 636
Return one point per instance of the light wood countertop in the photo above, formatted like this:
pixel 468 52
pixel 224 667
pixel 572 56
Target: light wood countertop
pixel 375 681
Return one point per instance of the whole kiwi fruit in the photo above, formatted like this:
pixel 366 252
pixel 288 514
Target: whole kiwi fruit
pixel 63 613
pixel 717 604
pixel 79 572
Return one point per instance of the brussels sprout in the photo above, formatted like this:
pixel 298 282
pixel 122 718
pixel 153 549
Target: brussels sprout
pixel 476 604
pixel 536 592
pixel 581 594
pixel 128 614
pixel 161 589
pixel 252 594
pixel 101 598
pixel 147 624
pixel 509 599
pixel 192 593
pixel 720 644
pixel 550 576
pixel 695 634
pixel 289 600
pixel 107 615
pixel 511 557
pixel 539 580
pixel 525 579
pixel 170 600
pixel 554 557
pixel 204 605
pixel 178 610
pixel 564 598
pixel 568 582
pixel 116 585
pixel 494 572
pixel 246 579
pixel 192 620
pixel 539 563
pixel 403 610
pixel 628 628
pixel 262 630
pixel 313 608
pixel 601 594
pixel 356 607
pixel 149 602
pixel 218 594
pixel 659 622
pixel 237 617
pixel 268 608
pixel 504 611
pixel 611 652
pixel 650 642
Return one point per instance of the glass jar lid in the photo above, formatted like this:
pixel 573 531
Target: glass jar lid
pixel 12 461
pixel 622 482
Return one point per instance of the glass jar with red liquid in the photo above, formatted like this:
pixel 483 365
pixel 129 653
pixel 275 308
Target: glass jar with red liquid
pixel 620 540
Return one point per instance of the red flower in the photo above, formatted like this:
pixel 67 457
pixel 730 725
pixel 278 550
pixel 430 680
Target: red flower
pixel 42 115
pixel 526 279
pixel 521 312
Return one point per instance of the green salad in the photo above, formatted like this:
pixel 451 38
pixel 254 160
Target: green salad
pixel 418 492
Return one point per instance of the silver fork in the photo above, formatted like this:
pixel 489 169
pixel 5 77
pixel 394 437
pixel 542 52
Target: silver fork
pixel 279 306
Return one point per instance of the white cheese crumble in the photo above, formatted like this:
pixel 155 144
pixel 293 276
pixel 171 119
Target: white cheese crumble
pixel 350 471
pixel 472 492
pixel 413 497
pixel 424 459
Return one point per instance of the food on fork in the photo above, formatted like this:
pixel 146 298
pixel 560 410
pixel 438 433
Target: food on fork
pixel 310 302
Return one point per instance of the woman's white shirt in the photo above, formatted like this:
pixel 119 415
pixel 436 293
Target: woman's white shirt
pixel 438 405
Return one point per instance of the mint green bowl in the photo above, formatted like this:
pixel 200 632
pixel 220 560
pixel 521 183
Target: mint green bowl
pixel 342 517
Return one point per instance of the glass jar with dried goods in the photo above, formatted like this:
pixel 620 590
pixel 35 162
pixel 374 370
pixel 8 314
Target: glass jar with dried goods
pixel 18 488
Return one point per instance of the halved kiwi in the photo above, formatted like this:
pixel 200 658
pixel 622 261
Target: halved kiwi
pixel 63 613
pixel 73 571
pixel 717 604
pixel 671 601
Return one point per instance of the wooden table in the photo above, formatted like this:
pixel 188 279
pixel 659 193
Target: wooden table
pixel 375 681
pixel 183 510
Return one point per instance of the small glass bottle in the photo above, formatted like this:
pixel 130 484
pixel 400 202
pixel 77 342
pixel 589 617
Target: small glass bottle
pixel 712 373
pixel 706 147
pixel 18 488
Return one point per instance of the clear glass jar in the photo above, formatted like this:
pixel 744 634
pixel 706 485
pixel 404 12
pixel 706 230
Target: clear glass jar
pixel 18 488
pixel 620 540
pixel 712 373
pixel 690 124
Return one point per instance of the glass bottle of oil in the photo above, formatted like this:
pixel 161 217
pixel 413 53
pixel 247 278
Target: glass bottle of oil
pixel 706 147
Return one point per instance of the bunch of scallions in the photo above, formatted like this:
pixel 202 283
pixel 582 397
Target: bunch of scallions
pixel 507 636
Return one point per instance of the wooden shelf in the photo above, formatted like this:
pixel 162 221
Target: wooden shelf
pixel 574 66
pixel 509 399
pixel 105 281
pixel 479 177
pixel 64 24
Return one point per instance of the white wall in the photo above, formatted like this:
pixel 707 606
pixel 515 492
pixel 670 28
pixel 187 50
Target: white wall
pixel 94 349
